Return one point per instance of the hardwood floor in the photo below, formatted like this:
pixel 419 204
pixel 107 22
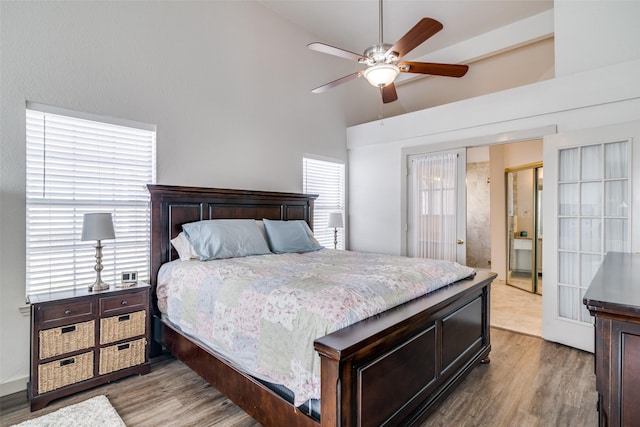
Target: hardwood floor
pixel 529 382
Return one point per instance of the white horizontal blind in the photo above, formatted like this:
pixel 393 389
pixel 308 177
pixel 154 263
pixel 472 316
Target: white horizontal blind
pixel 326 179
pixel 77 166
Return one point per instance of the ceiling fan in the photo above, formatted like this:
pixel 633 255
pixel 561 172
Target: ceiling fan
pixel 384 63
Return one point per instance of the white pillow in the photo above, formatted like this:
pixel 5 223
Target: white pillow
pixel 183 247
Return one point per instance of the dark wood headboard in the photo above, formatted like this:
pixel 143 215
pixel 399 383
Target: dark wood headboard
pixel 172 206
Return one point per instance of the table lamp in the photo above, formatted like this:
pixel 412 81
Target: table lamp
pixel 335 222
pixel 98 226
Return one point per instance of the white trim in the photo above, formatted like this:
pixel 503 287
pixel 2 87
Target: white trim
pixel 530 105
pixel 88 116
pixel 14 386
pixel 322 158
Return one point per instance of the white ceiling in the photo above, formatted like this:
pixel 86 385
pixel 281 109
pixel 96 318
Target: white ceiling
pixel 354 25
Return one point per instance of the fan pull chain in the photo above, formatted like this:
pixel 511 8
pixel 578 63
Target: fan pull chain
pixel 381 110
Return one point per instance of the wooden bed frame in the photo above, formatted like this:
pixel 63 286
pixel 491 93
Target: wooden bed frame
pixel 390 369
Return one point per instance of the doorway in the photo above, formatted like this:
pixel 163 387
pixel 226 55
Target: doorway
pixel 524 227
pixel 487 234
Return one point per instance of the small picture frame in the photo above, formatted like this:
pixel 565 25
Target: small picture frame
pixel 128 278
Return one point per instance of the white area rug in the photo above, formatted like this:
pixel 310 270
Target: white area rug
pixel 94 412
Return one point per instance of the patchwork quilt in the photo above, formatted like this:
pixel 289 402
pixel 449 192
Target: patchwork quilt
pixel 264 312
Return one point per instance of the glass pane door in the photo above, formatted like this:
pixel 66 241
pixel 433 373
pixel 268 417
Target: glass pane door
pixel 593 218
pixel 587 213
pixel 436 202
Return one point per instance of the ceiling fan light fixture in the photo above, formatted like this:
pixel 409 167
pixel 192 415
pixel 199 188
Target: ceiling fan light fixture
pixel 381 75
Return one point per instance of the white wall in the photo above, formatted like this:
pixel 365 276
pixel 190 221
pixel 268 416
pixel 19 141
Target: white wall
pixel 598 96
pixel 229 108
pixel 595 33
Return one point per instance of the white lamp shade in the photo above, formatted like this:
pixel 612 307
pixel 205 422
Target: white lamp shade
pixel 97 226
pixel 335 220
pixel 382 74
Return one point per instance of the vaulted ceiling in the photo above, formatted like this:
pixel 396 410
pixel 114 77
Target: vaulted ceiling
pixel 507 43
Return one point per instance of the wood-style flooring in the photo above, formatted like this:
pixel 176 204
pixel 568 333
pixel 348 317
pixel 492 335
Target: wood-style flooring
pixel 515 310
pixel 529 382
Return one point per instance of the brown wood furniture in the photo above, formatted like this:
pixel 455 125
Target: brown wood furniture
pixel 613 298
pixel 392 368
pixel 81 339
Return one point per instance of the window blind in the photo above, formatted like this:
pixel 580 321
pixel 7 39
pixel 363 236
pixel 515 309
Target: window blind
pixel 325 178
pixel 76 166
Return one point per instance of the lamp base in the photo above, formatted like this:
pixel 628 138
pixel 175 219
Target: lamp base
pixel 99 285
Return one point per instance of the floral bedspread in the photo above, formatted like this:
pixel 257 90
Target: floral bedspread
pixel 265 311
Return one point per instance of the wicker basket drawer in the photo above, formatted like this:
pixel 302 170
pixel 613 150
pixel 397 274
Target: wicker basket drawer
pixel 121 327
pixel 57 341
pixel 122 356
pixel 60 373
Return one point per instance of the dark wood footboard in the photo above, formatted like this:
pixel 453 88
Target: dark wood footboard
pixel 394 368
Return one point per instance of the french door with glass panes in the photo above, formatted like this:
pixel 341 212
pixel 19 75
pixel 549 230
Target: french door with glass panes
pixel 590 198
pixel 437 205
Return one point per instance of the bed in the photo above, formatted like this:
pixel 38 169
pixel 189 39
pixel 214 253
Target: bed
pixel 390 369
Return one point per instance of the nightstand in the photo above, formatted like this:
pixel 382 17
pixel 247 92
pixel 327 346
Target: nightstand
pixel 81 339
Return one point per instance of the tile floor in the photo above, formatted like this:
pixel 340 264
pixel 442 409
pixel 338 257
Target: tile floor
pixel 515 310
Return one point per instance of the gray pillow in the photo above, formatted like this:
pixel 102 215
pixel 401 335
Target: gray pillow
pixel 225 238
pixel 290 236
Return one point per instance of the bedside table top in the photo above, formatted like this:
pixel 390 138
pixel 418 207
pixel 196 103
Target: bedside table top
pixel 83 292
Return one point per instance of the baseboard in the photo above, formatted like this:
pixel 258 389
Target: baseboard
pixel 14 386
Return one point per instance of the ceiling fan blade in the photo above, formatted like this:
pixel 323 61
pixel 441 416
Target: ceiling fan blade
pixel 424 29
pixel 449 70
pixel 389 93
pixel 336 51
pixel 337 82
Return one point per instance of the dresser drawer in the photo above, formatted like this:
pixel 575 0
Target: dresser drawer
pixel 122 356
pixel 117 328
pixel 65 339
pixel 65 311
pixel 63 372
pixel 122 303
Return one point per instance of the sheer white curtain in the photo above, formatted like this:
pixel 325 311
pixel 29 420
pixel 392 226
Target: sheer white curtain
pixel 593 210
pixel 433 179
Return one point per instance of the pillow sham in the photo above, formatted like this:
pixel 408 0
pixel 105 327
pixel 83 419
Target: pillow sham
pixel 290 236
pixel 225 238
pixel 184 248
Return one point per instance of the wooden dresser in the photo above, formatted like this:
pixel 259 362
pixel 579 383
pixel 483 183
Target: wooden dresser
pixel 614 299
pixel 80 339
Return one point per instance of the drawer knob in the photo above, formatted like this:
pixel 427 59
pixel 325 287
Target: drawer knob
pixel 124 302
pixel 67 312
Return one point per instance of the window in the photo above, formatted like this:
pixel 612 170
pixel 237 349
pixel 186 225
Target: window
pixel 77 164
pixel 325 178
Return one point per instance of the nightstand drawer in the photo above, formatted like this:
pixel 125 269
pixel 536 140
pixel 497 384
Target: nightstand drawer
pixel 68 312
pixel 122 356
pixel 71 370
pixel 65 339
pixel 129 302
pixel 121 327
